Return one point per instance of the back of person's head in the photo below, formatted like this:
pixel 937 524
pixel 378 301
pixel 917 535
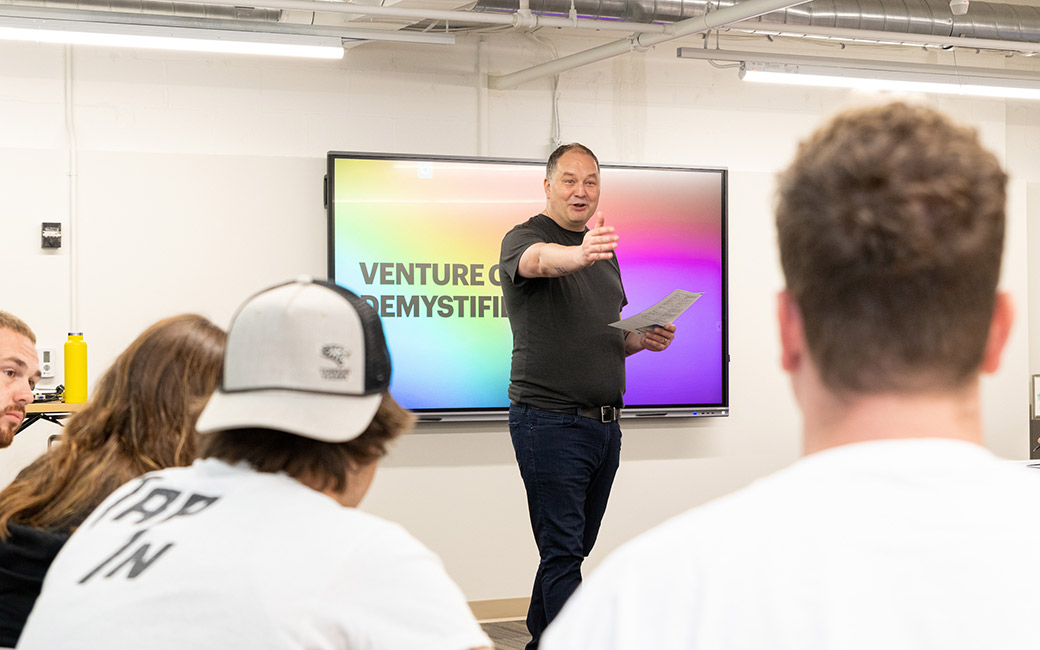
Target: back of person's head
pixel 11 322
pixel 320 464
pixel 141 417
pixel 891 229
pixel 305 386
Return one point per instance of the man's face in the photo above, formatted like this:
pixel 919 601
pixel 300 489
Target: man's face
pixel 572 194
pixel 19 372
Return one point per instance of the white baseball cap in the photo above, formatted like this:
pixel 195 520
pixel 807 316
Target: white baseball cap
pixel 305 357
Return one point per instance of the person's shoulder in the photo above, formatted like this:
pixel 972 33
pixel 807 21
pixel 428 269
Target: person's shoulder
pixel 201 472
pixel 154 478
pixel 28 544
pixel 382 536
pixel 539 220
pixel 1025 472
pixel 377 551
pixel 630 593
pixel 35 537
pixel 716 525
pixel 538 223
pixel 538 228
pixel 639 585
pixel 694 527
pixel 364 534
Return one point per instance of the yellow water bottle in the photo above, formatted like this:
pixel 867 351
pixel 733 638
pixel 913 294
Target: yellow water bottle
pixel 75 368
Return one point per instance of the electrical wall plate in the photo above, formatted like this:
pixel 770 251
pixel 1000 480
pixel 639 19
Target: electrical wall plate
pixel 1036 398
pixel 51 234
pixel 46 362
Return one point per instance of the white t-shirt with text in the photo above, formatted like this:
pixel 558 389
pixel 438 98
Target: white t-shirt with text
pixel 221 556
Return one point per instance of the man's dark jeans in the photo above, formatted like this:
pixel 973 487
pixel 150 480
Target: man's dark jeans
pixel 568 464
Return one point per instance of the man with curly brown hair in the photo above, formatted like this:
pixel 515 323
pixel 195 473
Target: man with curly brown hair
pixel 898 529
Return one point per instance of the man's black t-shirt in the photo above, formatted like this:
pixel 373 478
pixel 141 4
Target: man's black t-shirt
pixel 564 352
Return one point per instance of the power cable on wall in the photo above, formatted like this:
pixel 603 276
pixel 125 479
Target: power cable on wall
pixel 555 134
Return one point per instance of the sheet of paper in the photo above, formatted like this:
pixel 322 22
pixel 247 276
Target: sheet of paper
pixel 664 312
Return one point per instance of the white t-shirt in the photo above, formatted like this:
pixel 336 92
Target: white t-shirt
pixel 220 556
pixel 913 544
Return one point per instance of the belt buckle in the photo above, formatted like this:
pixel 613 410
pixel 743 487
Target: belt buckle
pixel 607 414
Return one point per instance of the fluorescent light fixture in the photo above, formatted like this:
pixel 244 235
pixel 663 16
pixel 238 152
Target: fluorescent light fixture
pixel 877 78
pixel 71 32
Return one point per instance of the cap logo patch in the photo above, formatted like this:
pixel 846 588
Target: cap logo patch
pixel 339 355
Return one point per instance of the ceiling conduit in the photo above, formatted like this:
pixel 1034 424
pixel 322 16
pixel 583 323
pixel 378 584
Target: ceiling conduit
pixel 985 20
pixel 993 26
pixel 640 42
pixel 156 7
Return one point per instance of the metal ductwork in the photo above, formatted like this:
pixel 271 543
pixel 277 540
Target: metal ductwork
pixel 984 20
pixel 155 7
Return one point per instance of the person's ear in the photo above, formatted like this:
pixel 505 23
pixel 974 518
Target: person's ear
pixel 545 184
pixel 792 333
pixel 999 329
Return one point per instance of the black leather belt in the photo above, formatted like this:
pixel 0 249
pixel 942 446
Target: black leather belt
pixel 602 413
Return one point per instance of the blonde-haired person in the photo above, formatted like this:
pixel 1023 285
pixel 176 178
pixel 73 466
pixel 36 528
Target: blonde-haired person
pixel 141 418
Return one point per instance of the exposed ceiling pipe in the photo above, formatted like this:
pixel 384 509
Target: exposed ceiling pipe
pixel 841 62
pixel 882 38
pixel 349 36
pixel 984 20
pixel 742 11
pixel 157 7
pixel 1009 28
pixel 512 19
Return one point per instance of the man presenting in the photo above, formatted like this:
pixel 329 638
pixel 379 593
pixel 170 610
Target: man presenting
pixel 20 372
pixel 898 529
pixel 562 287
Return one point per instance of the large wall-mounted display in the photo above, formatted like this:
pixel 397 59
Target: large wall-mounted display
pixel 419 237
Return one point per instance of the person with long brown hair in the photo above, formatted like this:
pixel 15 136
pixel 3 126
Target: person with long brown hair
pixel 141 418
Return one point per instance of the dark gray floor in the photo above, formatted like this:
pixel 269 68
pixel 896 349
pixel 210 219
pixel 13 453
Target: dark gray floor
pixel 507 635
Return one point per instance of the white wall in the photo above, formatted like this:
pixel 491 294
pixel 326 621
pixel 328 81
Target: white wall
pixel 199 181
